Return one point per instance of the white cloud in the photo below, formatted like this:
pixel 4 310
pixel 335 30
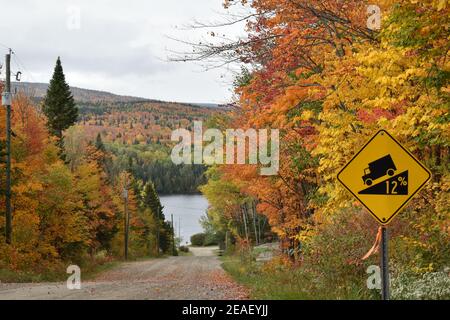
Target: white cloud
pixel 121 46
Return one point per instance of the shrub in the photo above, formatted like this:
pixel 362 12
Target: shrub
pixel 198 239
pixel 427 286
pixel 183 249
pixel 211 239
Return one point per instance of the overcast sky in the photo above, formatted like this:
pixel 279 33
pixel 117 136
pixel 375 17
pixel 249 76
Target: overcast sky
pixel 118 46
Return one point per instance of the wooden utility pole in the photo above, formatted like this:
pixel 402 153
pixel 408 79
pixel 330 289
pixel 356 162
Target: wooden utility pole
pixel 127 219
pixel 157 233
pixel 6 99
pixel 173 236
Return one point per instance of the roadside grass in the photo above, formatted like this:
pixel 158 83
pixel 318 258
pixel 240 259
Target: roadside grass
pixel 12 276
pixel 278 282
pixel 89 269
pixel 161 256
pixel 275 281
pixel 331 264
pixel 94 271
pixel 185 254
pixel 262 285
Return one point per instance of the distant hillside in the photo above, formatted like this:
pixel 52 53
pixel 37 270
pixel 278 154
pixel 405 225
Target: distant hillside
pixel 38 91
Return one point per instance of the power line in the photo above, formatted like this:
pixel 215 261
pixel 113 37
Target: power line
pixel 21 65
pixel 4 45
pixel 18 61
pixel 188 215
pixel 8 52
pixel 189 208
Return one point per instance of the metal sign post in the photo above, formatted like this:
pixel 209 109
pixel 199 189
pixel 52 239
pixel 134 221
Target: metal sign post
pixel 384 176
pixel 384 264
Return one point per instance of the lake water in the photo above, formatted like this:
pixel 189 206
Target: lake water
pixel 187 211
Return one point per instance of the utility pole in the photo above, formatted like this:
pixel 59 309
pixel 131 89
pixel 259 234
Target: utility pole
pixel 157 233
pixel 173 236
pixel 6 99
pixel 127 218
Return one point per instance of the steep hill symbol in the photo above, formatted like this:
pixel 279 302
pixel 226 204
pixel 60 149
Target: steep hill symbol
pixel 395 186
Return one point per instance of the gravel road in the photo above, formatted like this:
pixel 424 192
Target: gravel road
pixel 186 277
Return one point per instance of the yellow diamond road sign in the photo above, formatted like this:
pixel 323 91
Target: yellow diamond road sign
pixel 384 176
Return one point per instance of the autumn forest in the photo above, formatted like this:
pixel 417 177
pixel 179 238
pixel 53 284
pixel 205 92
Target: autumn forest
pixel 321 72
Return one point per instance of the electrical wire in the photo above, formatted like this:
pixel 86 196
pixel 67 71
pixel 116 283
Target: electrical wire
pixel 4 45
pixel 188 208
pixel 21 65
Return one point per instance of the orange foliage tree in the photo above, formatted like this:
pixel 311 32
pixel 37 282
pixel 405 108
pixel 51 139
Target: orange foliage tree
pixel 328 82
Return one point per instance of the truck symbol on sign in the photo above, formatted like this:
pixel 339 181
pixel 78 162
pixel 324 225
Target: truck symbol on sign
pixel 379 168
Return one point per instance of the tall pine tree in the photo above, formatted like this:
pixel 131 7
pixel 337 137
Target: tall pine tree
pixel 59 105
pixel 151 200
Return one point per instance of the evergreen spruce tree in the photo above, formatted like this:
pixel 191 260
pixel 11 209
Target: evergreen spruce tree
pixel 150 199
pixel 59 105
